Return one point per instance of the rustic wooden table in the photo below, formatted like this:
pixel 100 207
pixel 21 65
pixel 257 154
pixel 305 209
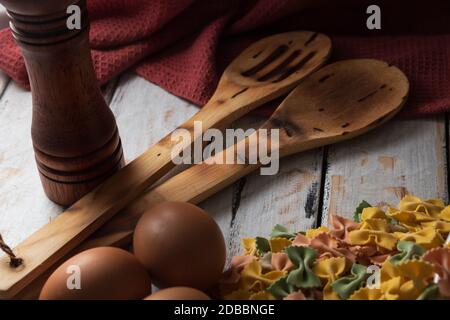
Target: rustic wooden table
pixel 403 156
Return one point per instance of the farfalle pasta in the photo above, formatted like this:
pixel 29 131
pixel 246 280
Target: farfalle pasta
pixel 406 280
pixel 397 254
pixel 326 246
pixel 346 286
pixel 407 251
pixel 329 271
pixel 427 237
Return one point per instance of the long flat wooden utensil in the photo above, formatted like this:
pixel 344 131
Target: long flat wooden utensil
pixel 266 70
pixel 338 102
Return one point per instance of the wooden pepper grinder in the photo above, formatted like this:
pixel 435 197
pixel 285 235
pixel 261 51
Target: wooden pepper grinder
pixel 75 136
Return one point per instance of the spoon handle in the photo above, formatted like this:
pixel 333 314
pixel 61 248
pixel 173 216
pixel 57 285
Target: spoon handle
pixel 193 185
pixel 57 238
pixel 297 54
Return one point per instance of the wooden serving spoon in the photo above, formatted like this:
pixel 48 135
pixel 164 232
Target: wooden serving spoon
pixel 266 70
pixel 338 102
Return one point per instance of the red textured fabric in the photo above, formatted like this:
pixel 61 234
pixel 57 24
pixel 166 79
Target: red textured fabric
pixel 184 45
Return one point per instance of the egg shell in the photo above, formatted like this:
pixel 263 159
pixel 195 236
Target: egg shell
pixel 178 293
pixel 180 245
pixel 106 273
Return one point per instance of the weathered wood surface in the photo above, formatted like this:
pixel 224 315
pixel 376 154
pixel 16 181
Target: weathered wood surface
pixel 237 93
pixel 148 120
pixel 145 113
pixel 290 198
pixel 143 118
pixel 4 80
pixel 253 205
pixel 24 208
pixel 401 157
pixel 23 204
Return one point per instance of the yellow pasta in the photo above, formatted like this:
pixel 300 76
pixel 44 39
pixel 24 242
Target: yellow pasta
pixel 373 213
pixel 426 237
pixel 382 240
pixel 432 207
pixel 312 233
pixel 445 214
pixel 407 242
pixel 278 244
pixel 261 295
pixel 252 278
pixel 249 245
pixel 367 294
pixel 405 281
pixel 238 295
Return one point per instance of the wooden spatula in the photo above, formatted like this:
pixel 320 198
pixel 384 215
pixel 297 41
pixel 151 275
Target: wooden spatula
pixel 338 102
pixel 266 70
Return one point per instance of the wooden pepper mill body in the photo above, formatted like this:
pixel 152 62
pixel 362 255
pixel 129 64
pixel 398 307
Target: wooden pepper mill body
pixel 75 136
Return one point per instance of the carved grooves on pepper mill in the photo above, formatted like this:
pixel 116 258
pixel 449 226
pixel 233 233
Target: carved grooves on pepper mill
pixel 75 137
pixel 46 29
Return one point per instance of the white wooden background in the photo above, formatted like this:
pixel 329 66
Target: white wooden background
pixel 403 156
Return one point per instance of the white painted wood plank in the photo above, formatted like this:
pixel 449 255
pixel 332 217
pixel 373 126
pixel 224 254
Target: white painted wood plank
pixel 144 112
pixel 257 203
pixel 219 206
pixel 401 157
pixel 23 204
pixel 289 198
pixel 265 201
pixel 222 205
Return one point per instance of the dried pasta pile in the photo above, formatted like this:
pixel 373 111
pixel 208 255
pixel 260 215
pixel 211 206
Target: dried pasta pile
pixel 396 254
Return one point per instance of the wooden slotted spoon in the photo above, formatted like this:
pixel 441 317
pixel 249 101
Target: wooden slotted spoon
pixel 266 70
pixel 339 102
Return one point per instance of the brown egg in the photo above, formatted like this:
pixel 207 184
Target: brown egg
pixel 180 245
pixel 178 293
pixel 104 273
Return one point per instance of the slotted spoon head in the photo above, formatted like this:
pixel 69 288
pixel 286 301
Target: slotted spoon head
pixel 275 64
pixel 339 102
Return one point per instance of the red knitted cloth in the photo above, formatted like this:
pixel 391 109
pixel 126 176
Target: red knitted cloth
pixel 184 45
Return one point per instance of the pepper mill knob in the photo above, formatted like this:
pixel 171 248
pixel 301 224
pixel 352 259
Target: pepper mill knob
pixel 74 133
